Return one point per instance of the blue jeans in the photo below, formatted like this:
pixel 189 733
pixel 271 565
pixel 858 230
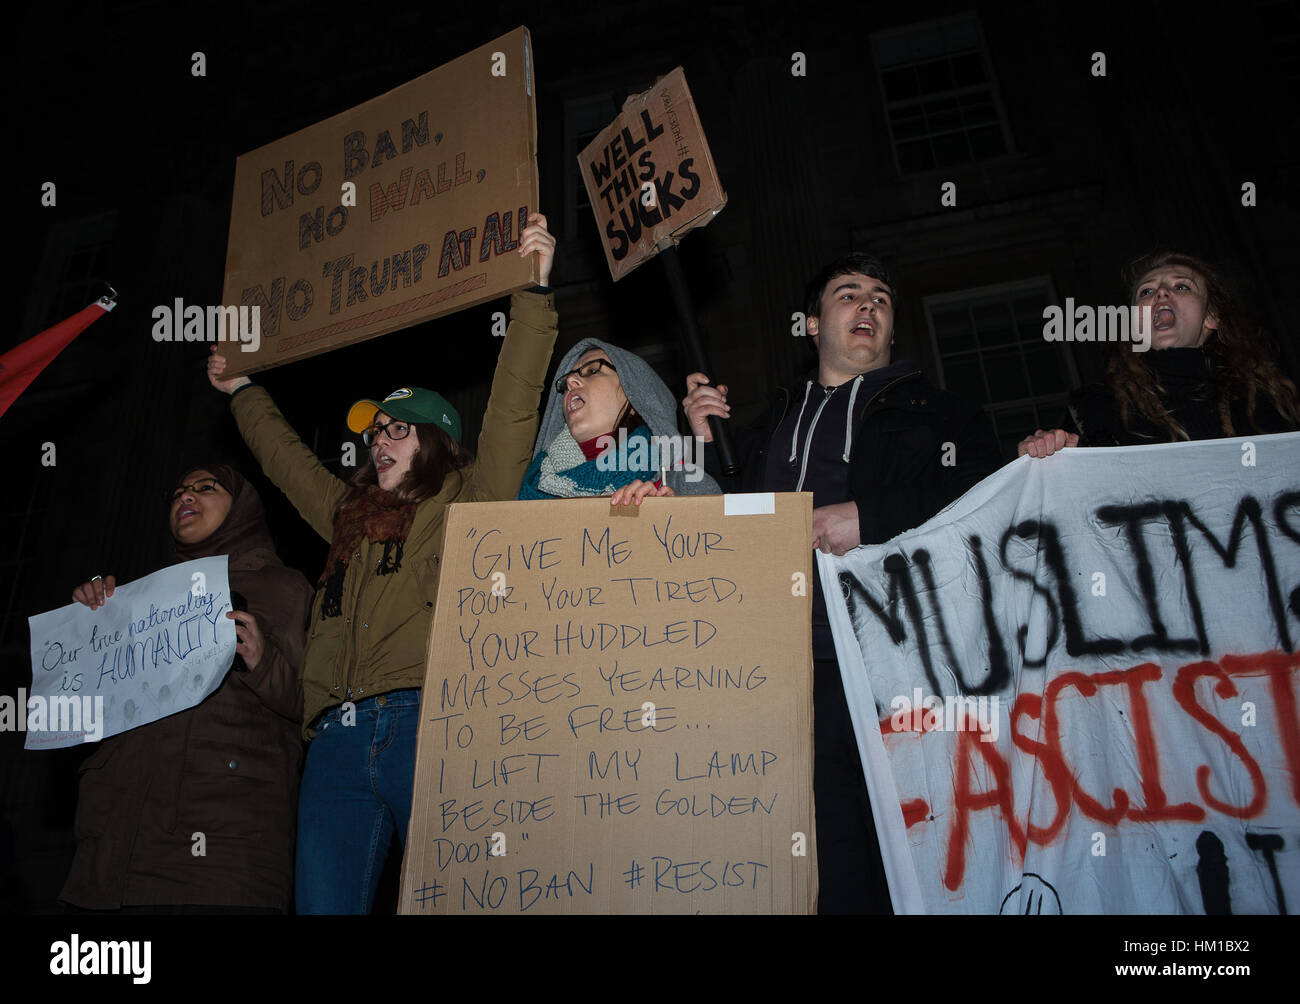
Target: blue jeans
pixel 356 790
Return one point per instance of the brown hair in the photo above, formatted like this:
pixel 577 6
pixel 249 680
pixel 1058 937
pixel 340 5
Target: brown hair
pixel 436 456
pixel 630 419
pixel 1236 354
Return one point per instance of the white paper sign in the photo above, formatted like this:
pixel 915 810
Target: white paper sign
pixel 159 645
pixel 1075 690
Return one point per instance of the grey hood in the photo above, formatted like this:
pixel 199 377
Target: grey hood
pixel 649 395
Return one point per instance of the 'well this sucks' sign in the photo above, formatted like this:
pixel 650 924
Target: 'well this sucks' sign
pixel 649 175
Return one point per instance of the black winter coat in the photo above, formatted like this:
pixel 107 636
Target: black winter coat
pixel 900 470
pixel 1190 396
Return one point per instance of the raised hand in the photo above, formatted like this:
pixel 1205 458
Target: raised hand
pixel 217 366
pixel 701 401
pixel 537 238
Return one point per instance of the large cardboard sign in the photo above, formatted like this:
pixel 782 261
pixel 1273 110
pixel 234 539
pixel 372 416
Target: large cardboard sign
pixel 1075 690
pixel 159 645
pixel 445 174
pixel 649 175
pixel 616 716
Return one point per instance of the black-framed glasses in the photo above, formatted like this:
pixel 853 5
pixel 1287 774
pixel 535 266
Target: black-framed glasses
pixel 586 371
pixel 203 486
pixel 394 431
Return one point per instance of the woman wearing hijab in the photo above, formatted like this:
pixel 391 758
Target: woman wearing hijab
pixel 605 432
pixel 221 776
pixel 1208 374
pixel 368 639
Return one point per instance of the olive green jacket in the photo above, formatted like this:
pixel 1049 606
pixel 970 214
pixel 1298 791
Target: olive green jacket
pixel 379 641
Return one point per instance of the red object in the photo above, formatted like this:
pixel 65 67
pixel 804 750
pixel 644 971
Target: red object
pixel 591 449
pixel 23 363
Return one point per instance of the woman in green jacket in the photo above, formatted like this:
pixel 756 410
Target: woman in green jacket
pixel 369 633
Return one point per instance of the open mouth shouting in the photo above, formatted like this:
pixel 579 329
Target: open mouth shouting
pixel 864 328
pixel 186 512
pixel 573 401
pixel 1163 318
pixel 384 462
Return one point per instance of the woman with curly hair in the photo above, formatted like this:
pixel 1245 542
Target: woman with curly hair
pixel 1210 373
pixel 368 638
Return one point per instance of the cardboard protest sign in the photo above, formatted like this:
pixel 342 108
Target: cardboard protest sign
pixel 616 716
pixel 443 173
pixel 1075 690
pixel 159 645
pixel 649 175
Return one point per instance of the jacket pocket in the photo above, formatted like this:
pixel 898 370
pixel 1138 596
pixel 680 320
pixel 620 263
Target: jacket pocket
pixel 912 449
pixel 98 798
pixel 96 760
pixel 233 790
pixel 429 570
pixel 323 657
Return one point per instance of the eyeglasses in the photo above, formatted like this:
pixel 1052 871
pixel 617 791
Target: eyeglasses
pixel 203 486
pixel 586 371
pixel 393 430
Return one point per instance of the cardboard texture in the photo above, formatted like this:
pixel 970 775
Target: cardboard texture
pixel 445 170
pixel 656 141
pixel 628 717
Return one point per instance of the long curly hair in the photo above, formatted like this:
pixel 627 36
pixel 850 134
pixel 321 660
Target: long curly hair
pixel 1239 359
pixel 436 457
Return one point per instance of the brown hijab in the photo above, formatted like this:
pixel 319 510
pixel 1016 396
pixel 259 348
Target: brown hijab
pixel 256 571
pixel 244 528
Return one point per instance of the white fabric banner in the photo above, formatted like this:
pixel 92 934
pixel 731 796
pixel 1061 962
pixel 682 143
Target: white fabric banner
pixel 1075 689
pixel 159 645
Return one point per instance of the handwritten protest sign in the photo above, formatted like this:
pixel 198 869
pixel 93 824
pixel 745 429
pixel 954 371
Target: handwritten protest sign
pixel 650 176
pixel 159 645
pixel 403 208
pixel 616 716
pixel 1075 689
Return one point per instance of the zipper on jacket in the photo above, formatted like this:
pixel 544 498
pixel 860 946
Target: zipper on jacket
pixel 807 443
pixel 351 631
pixel 803 470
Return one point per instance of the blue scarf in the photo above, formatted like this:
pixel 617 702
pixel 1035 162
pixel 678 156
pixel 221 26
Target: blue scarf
pixel 562 470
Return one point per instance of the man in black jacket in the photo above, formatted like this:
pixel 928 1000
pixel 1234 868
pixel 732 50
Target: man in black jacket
pixel 882 450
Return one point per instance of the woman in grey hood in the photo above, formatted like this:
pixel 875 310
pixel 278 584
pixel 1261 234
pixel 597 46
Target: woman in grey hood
pixel 610 428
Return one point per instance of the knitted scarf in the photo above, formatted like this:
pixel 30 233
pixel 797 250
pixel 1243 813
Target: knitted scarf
pixel 564 470
pixel 377 516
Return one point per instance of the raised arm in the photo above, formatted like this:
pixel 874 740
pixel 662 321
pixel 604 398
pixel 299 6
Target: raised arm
pixel 505 446
pixel 283 456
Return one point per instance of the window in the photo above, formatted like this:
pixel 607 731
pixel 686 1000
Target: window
pixel 990 350
pixel 583 119
pixel 941 100
pixel 73 271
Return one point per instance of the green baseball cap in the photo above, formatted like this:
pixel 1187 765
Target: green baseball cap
pixel 408 404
